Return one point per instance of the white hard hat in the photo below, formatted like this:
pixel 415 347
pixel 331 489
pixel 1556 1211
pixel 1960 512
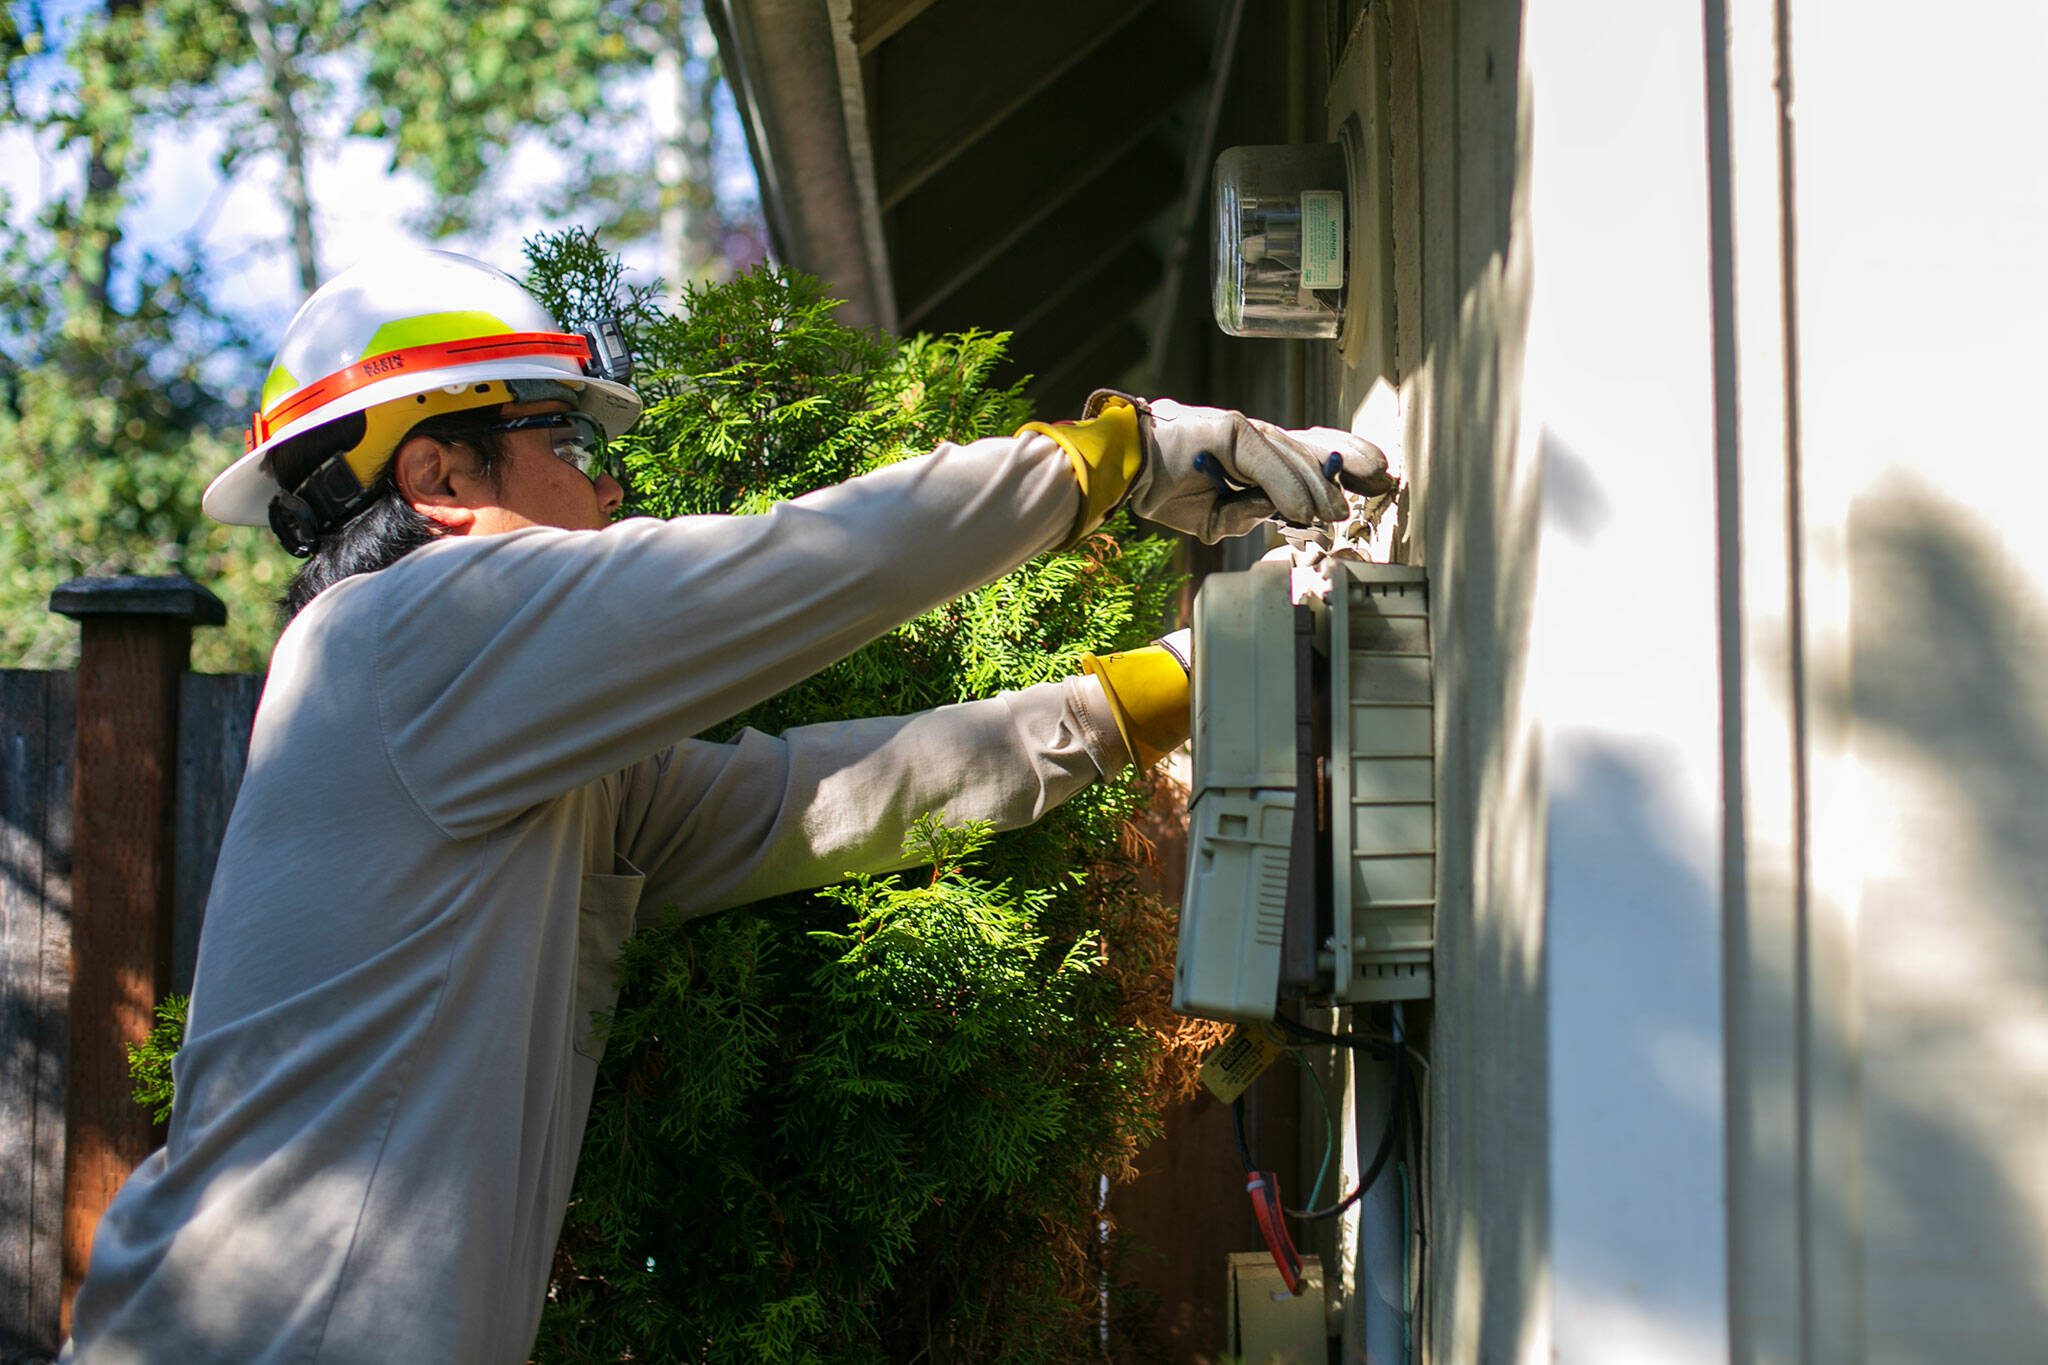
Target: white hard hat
pixel 434 327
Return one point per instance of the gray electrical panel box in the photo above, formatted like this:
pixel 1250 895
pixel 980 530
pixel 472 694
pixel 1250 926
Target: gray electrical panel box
pixel 1364 918
pixel 1241 811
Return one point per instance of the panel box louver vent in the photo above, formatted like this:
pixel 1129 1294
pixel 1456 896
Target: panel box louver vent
pixel 1382 784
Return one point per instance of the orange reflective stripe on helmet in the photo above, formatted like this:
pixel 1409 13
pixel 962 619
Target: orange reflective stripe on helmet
pixel 439 356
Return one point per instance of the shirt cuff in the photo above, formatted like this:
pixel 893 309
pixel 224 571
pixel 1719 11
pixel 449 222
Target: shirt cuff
pixel 1093 718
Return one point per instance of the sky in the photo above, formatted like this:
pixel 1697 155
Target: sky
pixel 361 206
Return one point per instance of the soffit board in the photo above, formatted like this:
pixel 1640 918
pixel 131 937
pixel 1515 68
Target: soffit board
pixel 950 163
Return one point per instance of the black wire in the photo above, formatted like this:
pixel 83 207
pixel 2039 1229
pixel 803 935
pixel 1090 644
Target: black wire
pixel 1377 1044
pixel 1379 1158
pixel 1244 1152
pixel 1415 1136
pixel 1395 1112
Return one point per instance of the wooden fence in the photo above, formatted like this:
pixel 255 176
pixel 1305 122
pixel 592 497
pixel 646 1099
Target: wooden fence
pixel 115 785
pixel 36 721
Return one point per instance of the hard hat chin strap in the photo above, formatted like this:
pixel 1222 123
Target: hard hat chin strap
pixel 329 497
pixel 293 524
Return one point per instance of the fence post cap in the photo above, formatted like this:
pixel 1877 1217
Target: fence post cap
pixel 173 596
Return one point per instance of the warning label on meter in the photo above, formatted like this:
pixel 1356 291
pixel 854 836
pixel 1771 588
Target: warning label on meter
pixel 1322 239
pixel 1231 1068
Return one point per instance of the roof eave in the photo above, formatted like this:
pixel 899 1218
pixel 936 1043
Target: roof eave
pixel 787 61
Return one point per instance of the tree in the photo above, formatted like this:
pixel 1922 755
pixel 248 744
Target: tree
pixel 569 72
pixel 112 416
pixel 187 62
pixel 283 38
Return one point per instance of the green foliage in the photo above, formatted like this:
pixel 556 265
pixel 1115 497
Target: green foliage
pixel 149 1061
pixel 825 1125
pixel 868 1123
pixel 116 400
pixel 110 427
pixel 582 282
pixel 453 83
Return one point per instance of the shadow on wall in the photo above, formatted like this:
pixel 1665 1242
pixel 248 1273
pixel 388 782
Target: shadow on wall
pixel 1633 967
pixel 1950 706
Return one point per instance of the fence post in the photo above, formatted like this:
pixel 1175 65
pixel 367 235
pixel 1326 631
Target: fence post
pixel 135 642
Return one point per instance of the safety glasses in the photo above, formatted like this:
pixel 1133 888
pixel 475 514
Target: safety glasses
pixel 580 442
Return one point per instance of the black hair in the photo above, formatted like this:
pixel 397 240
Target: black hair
pixel 387 529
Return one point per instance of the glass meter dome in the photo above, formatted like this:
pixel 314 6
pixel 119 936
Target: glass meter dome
pixel 1280 241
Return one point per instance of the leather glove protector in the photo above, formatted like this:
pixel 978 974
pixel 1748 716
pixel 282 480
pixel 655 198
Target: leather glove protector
pixel 1215 473
pixel 1206 471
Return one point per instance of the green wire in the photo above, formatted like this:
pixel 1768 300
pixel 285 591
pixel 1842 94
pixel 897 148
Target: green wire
pixel 1329 1129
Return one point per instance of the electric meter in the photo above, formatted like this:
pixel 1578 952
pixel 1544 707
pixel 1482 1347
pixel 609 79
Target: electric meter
pixel 1280 240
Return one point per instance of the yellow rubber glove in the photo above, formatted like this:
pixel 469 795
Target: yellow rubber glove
pixel 1106 450
pixel 1148 693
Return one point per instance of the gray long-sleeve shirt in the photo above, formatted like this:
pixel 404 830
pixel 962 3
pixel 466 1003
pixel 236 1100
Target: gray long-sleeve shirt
pixel 468 773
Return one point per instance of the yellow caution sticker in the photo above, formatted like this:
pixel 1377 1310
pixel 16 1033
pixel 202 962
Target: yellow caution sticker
pixel 1238 1061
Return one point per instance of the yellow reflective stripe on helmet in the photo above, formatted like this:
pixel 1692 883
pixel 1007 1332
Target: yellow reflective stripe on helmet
pixel 276 385
pixel 426 329
pixel 1148 694
pixel 1106 455
pixel 431 329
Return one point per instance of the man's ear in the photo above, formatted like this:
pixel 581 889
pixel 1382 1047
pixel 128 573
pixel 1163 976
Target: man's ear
pixel 438 479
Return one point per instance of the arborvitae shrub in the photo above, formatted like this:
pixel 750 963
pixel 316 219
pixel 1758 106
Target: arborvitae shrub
pixel 867 1123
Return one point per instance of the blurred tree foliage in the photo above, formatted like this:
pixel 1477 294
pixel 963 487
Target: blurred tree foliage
pixel 569 72
pixel 109 430
pixel 451 87
pixel 123 388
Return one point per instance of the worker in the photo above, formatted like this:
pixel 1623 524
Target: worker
pixel 473 765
